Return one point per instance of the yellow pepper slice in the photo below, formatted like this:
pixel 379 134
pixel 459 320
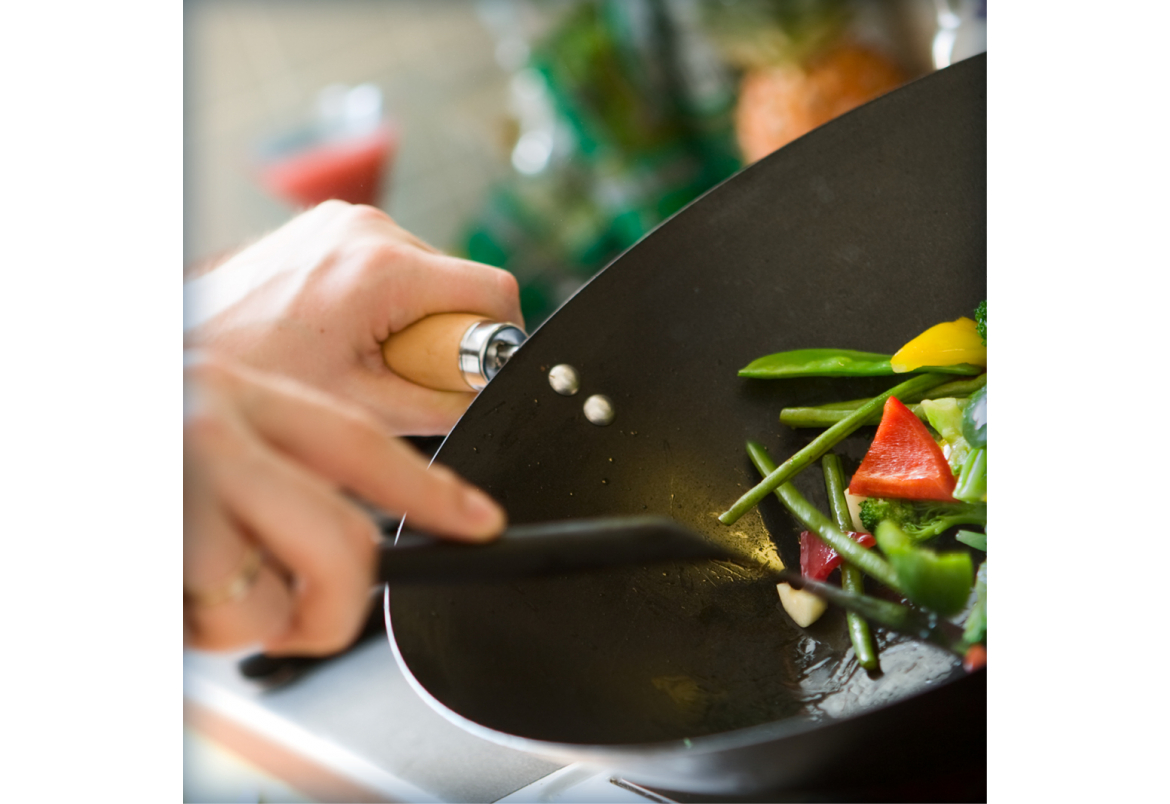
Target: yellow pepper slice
pixel 944 344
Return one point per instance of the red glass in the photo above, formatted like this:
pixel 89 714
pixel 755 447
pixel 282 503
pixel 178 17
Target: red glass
pixel 350 168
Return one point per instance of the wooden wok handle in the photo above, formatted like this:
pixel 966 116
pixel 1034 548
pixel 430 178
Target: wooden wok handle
pixel 451 351
pixel 427 352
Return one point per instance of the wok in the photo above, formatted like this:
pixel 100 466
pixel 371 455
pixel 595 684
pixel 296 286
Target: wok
pixel 689 676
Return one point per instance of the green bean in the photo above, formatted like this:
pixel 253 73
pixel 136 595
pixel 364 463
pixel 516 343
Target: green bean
pixel 955 388
pixel 812 519
pixel 819 417
pixel 851 578
pixel 833 412
pixel 835 489
pixel 822 444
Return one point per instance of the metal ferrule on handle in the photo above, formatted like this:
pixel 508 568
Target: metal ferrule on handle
pixel 484 349
pixel 452 351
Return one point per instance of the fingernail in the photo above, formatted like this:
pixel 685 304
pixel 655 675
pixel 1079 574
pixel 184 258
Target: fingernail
pixel 483 513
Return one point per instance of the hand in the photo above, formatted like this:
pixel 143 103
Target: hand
pixel 315 299
pixel 265 463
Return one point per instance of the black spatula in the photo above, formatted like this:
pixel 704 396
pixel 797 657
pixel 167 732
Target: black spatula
pixel 569 545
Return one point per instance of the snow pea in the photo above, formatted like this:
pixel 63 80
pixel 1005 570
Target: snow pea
pixel 819 363
pixel 836 363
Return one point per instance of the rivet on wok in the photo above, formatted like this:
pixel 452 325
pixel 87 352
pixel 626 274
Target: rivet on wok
pixel 599 410
pixel 564 379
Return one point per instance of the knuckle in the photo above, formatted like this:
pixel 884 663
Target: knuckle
pixel 365 214
pixel 376 259
pixel 380 254
pixel 507 284
pixel 327 213
pixel 397 252
pixel 333 206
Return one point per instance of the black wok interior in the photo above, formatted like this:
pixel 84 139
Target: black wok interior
pixel 859 235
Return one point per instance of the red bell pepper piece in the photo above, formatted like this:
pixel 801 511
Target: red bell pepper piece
pixel 817 559
pixel 975 658
pixel 903 461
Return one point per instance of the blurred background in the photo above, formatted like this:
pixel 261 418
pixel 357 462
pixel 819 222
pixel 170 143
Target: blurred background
pixel 541 137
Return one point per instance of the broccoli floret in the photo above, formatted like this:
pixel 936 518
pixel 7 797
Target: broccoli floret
pixel 981 320
pixel 921 519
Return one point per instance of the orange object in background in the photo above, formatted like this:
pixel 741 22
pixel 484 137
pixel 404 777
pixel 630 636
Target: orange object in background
pixel 349 169
pixel 779 103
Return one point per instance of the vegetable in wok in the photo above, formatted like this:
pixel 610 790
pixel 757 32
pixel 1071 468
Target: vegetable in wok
pixel 840 363
pixel 952 344
pixel 921 520
pixel 833 412
pixel 924 474
pixel 822 444
pixel 851 577
pixel 903 461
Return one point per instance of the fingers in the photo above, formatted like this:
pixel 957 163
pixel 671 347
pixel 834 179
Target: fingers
pixel 213 549
pixel 316 299
pixel 326 543
pixel 268 458
pixel 441 284
pixel 411 285
pixel 365 216
pixel 413 280
pixel 239 489
pixel 346 445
